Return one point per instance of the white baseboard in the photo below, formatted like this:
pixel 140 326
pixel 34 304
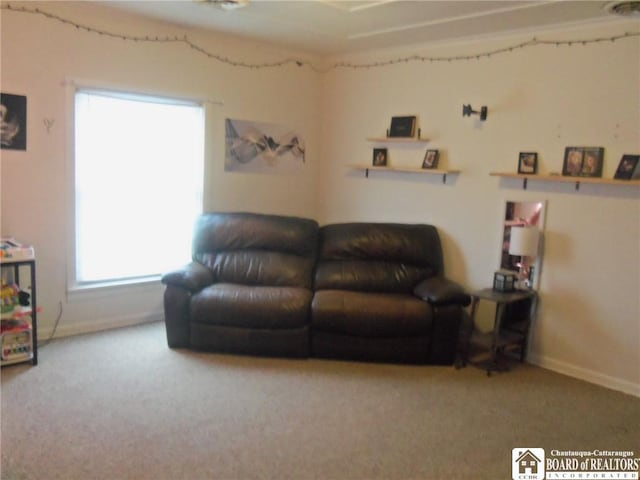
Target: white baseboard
pixel 590 376
pixel 97 325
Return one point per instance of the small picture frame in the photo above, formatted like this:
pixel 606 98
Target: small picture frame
pixel 592 162
pixel 504 281
pixel 528 163
pixel 628 168
pixel 379 157
pixel 403 127
pixel 572 165
pixel 431 159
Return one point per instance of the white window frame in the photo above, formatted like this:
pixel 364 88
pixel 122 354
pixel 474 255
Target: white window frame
pixel 100 288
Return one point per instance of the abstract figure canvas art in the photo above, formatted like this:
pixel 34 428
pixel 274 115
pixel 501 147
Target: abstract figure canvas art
pixel 262 148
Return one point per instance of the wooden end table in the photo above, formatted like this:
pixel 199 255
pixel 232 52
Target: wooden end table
pixel 510 329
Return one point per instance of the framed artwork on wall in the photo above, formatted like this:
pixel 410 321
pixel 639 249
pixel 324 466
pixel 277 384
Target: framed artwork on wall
pixel 583 161
pixel 572 165
pixel 528 162
pixel 260 147
pixel 628 168
pixel 13 121
pixel 592 162
pixel 403 126
pixel 431 159
pixel 379 157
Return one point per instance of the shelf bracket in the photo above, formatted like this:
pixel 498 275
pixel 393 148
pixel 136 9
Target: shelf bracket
pixel 524 183
pixel 366 172
pixel 577 186
pixel 444 178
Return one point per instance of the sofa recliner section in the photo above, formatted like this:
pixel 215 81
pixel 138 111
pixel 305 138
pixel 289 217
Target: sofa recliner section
pixel 275 285
pixel 249 287
pixel 376 291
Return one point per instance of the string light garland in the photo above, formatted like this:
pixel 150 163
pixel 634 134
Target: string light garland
pixel 155 39
pixel 300 63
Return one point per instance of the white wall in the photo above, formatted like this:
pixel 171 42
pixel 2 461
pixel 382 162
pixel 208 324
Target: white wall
pixel 40 54
pixel 542 99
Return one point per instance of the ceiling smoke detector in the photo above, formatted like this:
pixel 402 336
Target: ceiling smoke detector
pixel 624 8
pixel 227 4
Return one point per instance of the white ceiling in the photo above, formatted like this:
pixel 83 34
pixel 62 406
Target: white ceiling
pixel 341 26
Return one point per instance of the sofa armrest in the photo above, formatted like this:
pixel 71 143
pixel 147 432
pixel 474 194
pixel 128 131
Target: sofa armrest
pixel 192 277
pixel 442 291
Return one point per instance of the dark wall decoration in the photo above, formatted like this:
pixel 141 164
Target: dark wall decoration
pixel 13 121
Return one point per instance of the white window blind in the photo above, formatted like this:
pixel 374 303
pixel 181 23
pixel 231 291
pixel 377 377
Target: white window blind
pixel 138 184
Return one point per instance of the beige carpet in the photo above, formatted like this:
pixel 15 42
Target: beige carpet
pixel 121 405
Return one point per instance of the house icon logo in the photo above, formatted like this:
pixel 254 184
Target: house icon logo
pixel 527 463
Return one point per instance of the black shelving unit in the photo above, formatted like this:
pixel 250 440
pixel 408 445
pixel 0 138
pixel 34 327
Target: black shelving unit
pixel 30 312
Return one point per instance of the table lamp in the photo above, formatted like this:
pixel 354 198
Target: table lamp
pixel 524 243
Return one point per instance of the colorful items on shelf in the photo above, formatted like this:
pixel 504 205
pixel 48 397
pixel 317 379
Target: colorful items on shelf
pixel 12 250
pixel 16 341
pixel 14 325
pixel 9 297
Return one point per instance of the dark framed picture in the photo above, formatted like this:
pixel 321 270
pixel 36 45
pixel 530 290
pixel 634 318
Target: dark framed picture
pixel 528 162
pixel 628 168
pixel 583 161
pixel 572 165
pixel 592 162
pixel 431 159
pixel 379 157
pixel 13 121
pixel 403 126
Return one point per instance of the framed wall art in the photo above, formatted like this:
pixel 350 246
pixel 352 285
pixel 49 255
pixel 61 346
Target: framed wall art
pixel 528 162
pixel 431 159
pixel 572 165
pixel 592 162
pixel 379 157
pixel 403 126
pixel 628 168
pixel 13 121
pixel 583 161
pixel 260 147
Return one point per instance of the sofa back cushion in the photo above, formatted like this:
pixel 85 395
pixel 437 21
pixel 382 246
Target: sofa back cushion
pixel 377 257
pixel 257 249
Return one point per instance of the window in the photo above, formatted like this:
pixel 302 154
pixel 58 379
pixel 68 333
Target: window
pixel 138 184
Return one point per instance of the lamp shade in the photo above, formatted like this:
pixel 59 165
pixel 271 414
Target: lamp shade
pixel 524 241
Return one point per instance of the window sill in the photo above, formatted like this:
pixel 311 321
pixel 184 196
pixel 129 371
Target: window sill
pixel 105 289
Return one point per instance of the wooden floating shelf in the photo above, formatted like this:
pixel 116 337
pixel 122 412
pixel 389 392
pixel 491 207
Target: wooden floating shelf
pixel 397 140
pixel 424 171
pixel 564 179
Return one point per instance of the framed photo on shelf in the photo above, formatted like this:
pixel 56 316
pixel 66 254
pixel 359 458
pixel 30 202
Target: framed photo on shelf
pixel 628 168
pixel 572 165
pixel 379 157
pixel 528 162
pixel 592 162
pixel 403 127
pixel 431 159
pixel 583 161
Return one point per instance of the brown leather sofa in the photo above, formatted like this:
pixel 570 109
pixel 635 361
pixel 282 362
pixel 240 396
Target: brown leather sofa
pixel 248 288
pixel 275 285
pixel 380 295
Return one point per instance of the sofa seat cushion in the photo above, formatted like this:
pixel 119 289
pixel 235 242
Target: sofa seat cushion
pixel 370 314
pixel 246 306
